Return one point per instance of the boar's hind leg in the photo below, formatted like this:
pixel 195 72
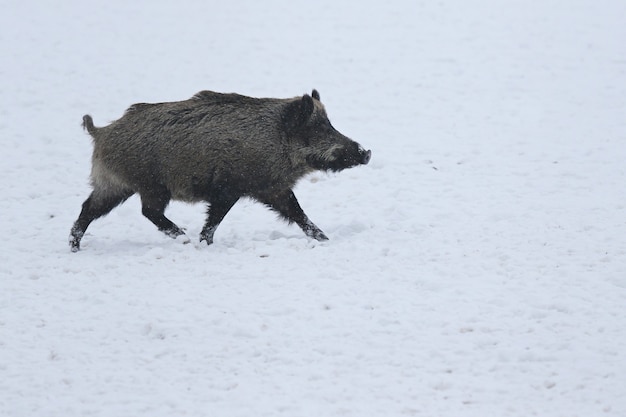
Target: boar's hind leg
pixel 286 204
pixel 97 205
pixel 153 206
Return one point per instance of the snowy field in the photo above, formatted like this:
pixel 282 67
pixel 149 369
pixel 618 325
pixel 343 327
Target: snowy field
pixel 476 267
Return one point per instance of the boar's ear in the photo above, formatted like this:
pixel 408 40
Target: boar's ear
pixel 315 94
pixel 306 107
pixel 298 112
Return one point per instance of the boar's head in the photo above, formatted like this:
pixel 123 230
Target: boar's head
pixel 323 147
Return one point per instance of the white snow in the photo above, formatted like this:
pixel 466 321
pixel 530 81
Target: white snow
pixel 476 266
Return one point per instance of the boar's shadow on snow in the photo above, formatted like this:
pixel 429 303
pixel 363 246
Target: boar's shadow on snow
pixel 214 148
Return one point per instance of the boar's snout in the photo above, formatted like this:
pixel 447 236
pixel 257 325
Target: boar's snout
pixel 365 156
pixel 354 154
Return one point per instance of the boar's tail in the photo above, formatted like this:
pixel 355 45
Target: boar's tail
pixel 88 124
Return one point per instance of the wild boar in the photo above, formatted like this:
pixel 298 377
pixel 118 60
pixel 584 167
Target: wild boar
pixel 215 148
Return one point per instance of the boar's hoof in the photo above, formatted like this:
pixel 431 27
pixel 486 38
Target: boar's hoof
pixel 207 239
pixel 317 234
pixel 321 236
pixel 311 230
pixel 75 236
pixel 74 245
pixel 183 238
pixel 207 234
pixel 175 232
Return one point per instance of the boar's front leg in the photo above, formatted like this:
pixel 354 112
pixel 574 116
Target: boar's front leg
pixel 286 204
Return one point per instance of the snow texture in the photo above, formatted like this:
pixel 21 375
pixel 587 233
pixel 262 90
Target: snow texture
pixel 476 266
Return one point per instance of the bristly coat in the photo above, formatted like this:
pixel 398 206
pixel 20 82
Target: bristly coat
pixel 214 148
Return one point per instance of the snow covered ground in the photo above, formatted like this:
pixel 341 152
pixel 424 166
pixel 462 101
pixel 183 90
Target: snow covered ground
pixel 476 267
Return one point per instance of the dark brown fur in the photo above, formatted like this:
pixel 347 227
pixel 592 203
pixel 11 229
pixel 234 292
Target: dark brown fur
pixel 215 148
